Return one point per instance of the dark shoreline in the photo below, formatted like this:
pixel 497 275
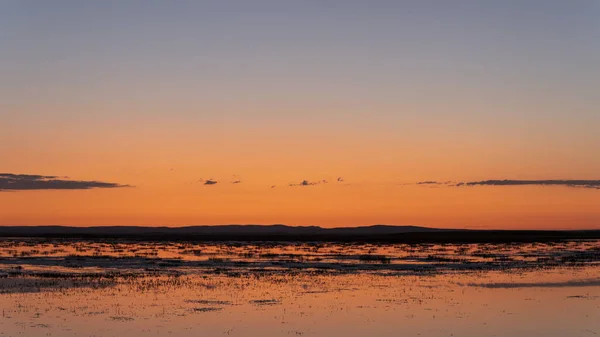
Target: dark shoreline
pixel 258 233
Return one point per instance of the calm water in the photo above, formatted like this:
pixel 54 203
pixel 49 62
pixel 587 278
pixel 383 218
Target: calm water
pixel 80 288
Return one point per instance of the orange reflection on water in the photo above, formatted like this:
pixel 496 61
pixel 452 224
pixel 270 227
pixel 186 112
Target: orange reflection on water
pixel 539 303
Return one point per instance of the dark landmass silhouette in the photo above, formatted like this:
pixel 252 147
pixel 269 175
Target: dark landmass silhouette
pixel 376 233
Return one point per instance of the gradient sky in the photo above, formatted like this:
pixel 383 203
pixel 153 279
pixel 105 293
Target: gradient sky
pixel 164 95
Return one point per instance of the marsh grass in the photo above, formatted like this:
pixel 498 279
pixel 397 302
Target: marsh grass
pixel 206 309
pixel 370 258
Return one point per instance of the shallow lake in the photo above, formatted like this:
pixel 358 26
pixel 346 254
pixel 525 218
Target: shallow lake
pixel 101 288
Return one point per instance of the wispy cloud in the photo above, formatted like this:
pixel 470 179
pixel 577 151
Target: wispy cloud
pixel 430 182
pixel 506 182
pixel 595 184
pixel 27 182
pixel 235 179
pixel 309 183
pixel 212 181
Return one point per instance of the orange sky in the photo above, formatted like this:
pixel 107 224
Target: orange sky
pixel 163 96
pixel 165 163
pixel 332 204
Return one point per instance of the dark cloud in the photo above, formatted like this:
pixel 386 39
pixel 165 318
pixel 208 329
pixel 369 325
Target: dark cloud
pixel 307 183
pixel 340 179
pixel 429 182
pixel 569 183
pixel 25 182
pixel 210 182
pixel 236 181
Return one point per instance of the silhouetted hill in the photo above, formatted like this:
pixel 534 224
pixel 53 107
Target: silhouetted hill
pixel 377 233
pixel 206 230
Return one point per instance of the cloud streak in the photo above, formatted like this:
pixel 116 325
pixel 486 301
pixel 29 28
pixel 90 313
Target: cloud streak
pixel 309 183
pixel 577 183
pixel 29 182
pixel 568 183
pixel 430 182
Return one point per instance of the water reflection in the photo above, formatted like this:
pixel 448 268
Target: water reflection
pixel 72 288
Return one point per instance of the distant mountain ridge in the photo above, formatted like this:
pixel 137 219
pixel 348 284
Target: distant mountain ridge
pixel 276 229
pixel 266 233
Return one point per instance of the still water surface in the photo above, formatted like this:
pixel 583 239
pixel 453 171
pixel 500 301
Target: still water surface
pixel 83 288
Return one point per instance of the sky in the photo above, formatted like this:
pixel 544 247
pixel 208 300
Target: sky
pixel 322 113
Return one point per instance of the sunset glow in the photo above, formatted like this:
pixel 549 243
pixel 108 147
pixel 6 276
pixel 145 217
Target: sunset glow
pixel 259 99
